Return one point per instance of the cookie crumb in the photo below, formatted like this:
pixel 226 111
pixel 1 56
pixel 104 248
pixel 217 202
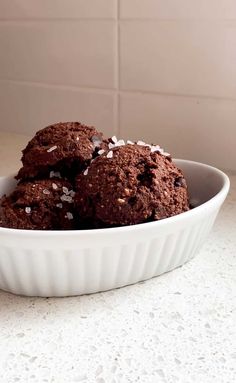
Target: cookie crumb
pixel 110 154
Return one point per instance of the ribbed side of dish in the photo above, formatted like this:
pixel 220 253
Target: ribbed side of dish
pixel 87 270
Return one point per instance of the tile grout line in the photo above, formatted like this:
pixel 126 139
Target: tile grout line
pixel 55 20
pixel 63 87
pixel 152 93
pixel 112 19
pixel 117 79
pixel 118 66
pixel 176 20
pixel 115 91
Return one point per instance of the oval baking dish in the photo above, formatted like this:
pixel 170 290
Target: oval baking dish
pixel 63 263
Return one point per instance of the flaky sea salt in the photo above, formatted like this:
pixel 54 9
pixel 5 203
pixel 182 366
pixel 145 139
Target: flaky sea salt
pixel 155 148
pixel 114 139
pixel 69 215
pixel 72 193
pixel 101 151
pixel 110 154
pixel 52 148
pixel 46 191
pixel 86 172
pixel 28 210
pixel 54 186
pixel 120 143
pixel 116 143
pixel 111 146
pixel 130 142
pixel 59 205
pixel 53 174
pixel 66 198
pixel 65 190
pixel 141 143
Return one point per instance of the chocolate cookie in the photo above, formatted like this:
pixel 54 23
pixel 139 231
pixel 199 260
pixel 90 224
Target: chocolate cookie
pixel 42 205
pixel 65 148
pixel 130 184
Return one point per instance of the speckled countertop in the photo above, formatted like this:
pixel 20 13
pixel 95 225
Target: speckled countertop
pixel 180 327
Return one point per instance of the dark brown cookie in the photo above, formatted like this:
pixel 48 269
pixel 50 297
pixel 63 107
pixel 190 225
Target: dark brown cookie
pixel 65 147
pixel 39 205
pixel 130 184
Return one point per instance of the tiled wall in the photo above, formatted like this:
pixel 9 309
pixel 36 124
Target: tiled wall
pixel 160 70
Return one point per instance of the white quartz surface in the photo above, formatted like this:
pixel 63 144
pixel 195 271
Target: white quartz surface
pixel 180 327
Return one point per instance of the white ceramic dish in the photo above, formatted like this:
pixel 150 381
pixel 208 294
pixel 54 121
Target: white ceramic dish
pixel 62 263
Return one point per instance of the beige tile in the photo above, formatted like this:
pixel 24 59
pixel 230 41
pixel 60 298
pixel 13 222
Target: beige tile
pixel 28 108
pixel 28 9
pixel 191 128
pixel 11 145
pixel 60 52
pixel 178 9
pixel 188 58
